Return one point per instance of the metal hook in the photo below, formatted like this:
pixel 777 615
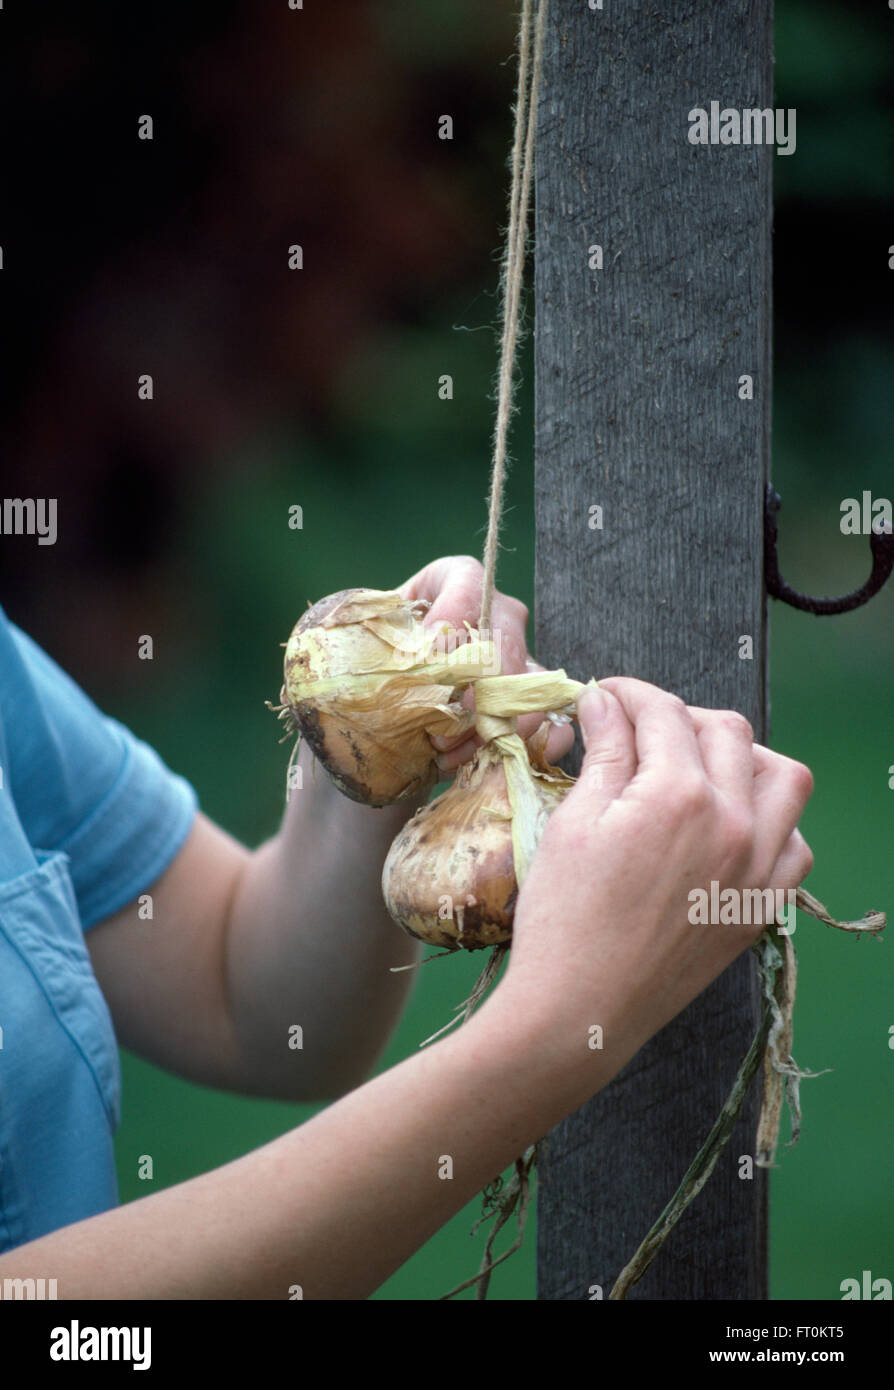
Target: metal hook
pixel 882 546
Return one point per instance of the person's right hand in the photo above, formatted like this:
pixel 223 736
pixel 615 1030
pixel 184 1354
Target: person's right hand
pixel 669 798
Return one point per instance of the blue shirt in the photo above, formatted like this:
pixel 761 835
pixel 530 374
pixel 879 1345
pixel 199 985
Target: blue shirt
pixel 90 817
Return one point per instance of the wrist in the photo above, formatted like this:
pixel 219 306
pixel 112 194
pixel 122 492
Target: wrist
pixel 317 801
pixel 546 1060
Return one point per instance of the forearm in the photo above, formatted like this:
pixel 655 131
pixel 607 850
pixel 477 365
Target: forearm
pixel 339 1204
pixel 309 943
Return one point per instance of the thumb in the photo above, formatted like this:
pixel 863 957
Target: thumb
pixel 609 744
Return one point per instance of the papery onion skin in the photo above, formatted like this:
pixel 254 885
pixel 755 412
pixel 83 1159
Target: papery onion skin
pixel 449 878
pixel 453 873
pixel 360 702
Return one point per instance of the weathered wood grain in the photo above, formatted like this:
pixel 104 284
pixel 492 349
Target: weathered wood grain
pixel 637 411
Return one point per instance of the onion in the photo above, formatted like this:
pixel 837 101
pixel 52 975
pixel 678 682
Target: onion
pixel 453 873
pixel 366 683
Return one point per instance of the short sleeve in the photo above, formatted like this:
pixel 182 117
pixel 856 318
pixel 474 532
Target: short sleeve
pixel 83 784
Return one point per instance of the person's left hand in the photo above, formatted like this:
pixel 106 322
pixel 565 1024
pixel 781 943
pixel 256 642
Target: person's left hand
pixel 452 585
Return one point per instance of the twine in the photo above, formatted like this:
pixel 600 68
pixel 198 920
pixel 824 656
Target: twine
pixel 501 1204
pixel 511 279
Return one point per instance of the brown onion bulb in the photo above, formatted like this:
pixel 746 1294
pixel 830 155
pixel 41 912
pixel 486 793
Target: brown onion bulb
pixel 452 874
pixel 366 683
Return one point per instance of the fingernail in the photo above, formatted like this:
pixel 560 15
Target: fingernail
pixel 591 708
pixel 441 743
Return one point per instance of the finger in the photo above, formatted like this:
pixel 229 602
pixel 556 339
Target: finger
pixel 765 759
pixel 528 724
pixel 445 743
pixel 781 789
pixel 781 792
pixel 428 582
pixel 726 740
pixel 452 753
pixel 791 868
pixel 769 764
pixel 453 585
pixel 450 761
pixel 666 742
pixel 559 742
pixel 458 596
pixel 509 621
pixel 610 757
pixel 794 863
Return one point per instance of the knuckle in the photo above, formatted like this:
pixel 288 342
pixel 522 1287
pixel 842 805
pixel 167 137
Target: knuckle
pixel 802 779
pixel 615 683
pixel 601 765
pixel 462 576
pixel 690 795
pixel 738 835
pixel 592 773
pixel 735 723
pixel 512 610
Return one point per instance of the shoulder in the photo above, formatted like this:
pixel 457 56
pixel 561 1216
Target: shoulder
pixel 83 783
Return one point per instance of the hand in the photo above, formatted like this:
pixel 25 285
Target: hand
pixel 669 799
pixel 453 587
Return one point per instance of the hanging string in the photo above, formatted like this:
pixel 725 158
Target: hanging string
pixel 511 279
pixel 500 1203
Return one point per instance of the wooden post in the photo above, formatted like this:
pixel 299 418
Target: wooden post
pixel 643 410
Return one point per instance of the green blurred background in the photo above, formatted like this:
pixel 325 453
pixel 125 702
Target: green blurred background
pixel 324 394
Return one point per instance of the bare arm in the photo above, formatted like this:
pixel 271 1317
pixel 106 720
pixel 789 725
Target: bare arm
pixel 245 945
pixel 242 946
pixel 335 1206
pixel 668 799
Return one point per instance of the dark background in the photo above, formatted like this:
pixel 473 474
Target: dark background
pixel 319 387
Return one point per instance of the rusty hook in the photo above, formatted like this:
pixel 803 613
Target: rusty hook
pixel 881 543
